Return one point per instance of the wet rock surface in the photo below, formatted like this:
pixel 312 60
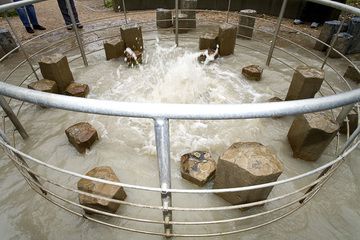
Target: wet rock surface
pixel 352 74
pixel 253 72
pixel 246 23
pixel 82 136
pixel 245 164
pixel 104 190
pixel 310 134
pixel 56 68
pixel 132 37
pixel 44 85
pixel 114 49
pixel 227 39
pixel 306 82
pixel 77 90
pixel 198 167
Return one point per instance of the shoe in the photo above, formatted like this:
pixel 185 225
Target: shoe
pixel 298 22
pixel 69 27
pixel 39 27
pixel 314 25
pixel 79 25
pixel 29 30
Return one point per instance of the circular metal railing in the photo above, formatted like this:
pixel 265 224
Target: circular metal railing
pixel 285 204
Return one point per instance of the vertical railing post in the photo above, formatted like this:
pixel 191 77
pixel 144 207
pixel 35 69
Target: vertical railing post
pixel 22 49
pixel 9 112
pixel 74 24
pixel 333 41
pixel 276 33
pixel 228 11
pixel 177 22
pixel 162 138
pixel 124 9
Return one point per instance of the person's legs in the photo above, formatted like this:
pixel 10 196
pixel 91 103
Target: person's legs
pixel 73 7
pixel 32 15
pixel 64 11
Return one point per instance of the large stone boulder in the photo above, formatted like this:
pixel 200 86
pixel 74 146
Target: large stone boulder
pixel 306 82
pixel 132 36
pixel 342 44
pixel 198 167
pixel 227 39
pixel 310 134
pixel 163 18
pixel 56 67
pixel 102 189
pixel 44 85
pixel 82 136
pixel 114 49
pixel 246 23
pixel 352 74
pixel 253 72
pixel 77 90
pixel 327 31
pixel 246 164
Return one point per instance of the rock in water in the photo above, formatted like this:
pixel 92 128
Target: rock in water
pixel 82 136
pixel 133 58
pixel 163 18
pixel 310 134
pixel 246 164
pixel 132 36
pixel 253 72
pixel 306 82
pixel 246 23
pixel 352 74
pixel 198 167
pixel 114 49
pixel 102 189
pixel 56 68
pixel 77 90
pixel 227 39
pixel 44 85
pixel 208 41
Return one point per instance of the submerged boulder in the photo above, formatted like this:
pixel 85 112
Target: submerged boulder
pixel 198 167
pixel 44 85
pixel 82 136
pixel 102 189
pixel 77 90
pixel 253 72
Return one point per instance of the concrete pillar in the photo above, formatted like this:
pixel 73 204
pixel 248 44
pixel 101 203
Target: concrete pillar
pixel 132 37
pixel 354 29
pixel 163 18
pixel 189 4
pixel 342 44
pixel 7 42
pixel 246 23
pixel 227 39
pixel 56 68
pixel 352 74
pixel 327 31
pixel 208 41
pixel 306 82
pixel 114 49
pixel 310 134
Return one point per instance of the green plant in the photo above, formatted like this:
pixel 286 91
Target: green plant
pixel 10 13
pixel 108 3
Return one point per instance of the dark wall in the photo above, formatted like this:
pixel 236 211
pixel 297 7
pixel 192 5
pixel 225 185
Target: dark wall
pixel 271 7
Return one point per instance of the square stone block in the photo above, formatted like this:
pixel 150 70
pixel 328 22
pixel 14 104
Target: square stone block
pixel 253 72
pixel 327 31
pixel 227 39
pixel 342 44
pixel 208 41
pixel 310 134
pixel 82 136
pixel 56 68
pixel 163 18
pixel 132 36
pixel 246 23
pixel 306 82
pixel 114 49
pixel 77 90
pixel 352 74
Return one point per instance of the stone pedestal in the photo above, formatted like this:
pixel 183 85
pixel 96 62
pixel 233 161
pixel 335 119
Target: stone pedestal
pixel 101 189
pixel 208 41
pixel 306 82
pixel 342 44
pixel 246 164
pixel 56 68
pixel 310 134
pixel 163 18
pixel 198 167
pixel 352 74
pixel 77 90
pixel 184 23
pixel 44 85
pixel 227 39
pixel 191 13
pixel 252 72
pixel 132 37
pixel 246 23
pixel 114 49
pixel 353 123
pixel 82 136
pixel 7 42
pixel 327 31
pixel 354 29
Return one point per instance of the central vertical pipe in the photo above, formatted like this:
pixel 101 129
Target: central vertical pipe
pixel 124 8
pixel 162 138
pixel 228 11
pixel 74 25
pixel 177 22
pixel 273 43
